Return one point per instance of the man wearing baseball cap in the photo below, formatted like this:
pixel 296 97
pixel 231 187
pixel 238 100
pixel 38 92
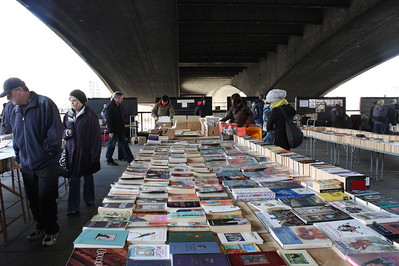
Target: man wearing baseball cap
pixel 37 134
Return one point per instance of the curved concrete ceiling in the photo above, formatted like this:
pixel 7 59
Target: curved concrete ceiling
pixel 147 48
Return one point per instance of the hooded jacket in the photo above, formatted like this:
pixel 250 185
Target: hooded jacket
pixel 37 133
pixel 276 123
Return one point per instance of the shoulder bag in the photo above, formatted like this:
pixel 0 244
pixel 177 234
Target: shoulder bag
pixel 294 133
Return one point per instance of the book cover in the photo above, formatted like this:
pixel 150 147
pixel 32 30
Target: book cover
pixel 333 196
pixel 191 237
pixel 349 206
pixel 240 248
pixel 240 238
pixel 200 259
pixel 264 258
pixel 141 220
pixel 296 202
pixel 360 245
pixel 300 237
pixel 92 238
pixel 285 218
pixel 295 192
pixel 269 205
pixel 147 235
pixel 97 256
pixel 187 216
pixel 388 230
pixel 281 185
pixel 381 259
pixel 141 262
pixel 107 218
pixel 194 247
pixel 231 225
pixel 297 257
pixel 345 228
pixel 376 217
pixel 110 225
pixel 149 252
pixel 320 214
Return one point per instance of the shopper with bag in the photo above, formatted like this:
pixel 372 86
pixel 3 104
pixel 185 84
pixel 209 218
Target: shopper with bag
pixel 83 143
pixel 280 112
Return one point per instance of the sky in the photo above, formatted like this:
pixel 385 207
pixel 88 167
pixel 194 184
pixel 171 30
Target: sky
pixel 31 51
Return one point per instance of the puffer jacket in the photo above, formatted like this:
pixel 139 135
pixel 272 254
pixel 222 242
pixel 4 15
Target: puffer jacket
pixel 37 133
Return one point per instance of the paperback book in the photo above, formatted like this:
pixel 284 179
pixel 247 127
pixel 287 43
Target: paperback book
pixel 200 259
pixel 269 205
pixel 109 225
pixel 240 248
pixel 296 202
pixel 240 238
pixel 92 238
pixel 263 258
pixel 147 235
pixel 345 229
pixel 97 256
pixel 387 230
pixel 148 252
pixel 142 220
pixel 194 247
pixel 233 225
pixel 191 237
pixel 297 257
pixel 361 245
pixel 316 214
pixel 382 258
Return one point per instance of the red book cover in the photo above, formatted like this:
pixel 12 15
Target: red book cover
pixel 265 258
pixel 97 256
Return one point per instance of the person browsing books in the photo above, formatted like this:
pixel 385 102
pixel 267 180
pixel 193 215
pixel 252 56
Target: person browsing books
pixel 276 123
pixel 83 142
pixel 239 112
pixel 163 108
pixel 37 135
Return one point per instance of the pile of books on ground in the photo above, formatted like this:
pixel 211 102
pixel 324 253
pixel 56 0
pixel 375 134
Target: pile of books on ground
pixel 192 210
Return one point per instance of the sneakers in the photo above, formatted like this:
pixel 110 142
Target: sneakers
pixel 36 234
pixel 49 240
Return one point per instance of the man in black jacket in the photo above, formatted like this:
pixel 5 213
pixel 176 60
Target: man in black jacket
pixel 116 129
pixel 37 134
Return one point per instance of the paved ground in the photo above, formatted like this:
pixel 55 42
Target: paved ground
pixel 18 251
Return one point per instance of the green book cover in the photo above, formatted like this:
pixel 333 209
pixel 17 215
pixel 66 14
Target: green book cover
pixel 191 237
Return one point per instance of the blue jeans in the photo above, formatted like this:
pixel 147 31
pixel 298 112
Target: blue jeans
pixel 42 191
pixel 122 142
pixel 380 128
pixel 74 191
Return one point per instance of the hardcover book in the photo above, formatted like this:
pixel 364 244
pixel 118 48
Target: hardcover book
pixel 361 245
pixel 92 238
pixel 97 256
pixel 382 258
pixel 376 217
pixel 297 257
pixel 333 196
pixel 264 258
pixel 345 229
pixel 388 230
pixel 316 214
pixel 240 238
pixel 349 206
pixel 240 248
pixel 302 201
pixel 147 235
pixel 300 237
pixel 200 259
pixel 191 237
pixel 149 252
pixel 194 247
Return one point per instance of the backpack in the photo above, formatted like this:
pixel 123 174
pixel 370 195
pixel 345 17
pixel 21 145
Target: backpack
pixel 294 134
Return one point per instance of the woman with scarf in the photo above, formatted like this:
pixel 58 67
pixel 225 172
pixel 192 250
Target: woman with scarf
pixel 239 113
pixel 83 142
pixel 276 122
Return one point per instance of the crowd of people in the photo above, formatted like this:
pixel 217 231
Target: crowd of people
pixel 39 134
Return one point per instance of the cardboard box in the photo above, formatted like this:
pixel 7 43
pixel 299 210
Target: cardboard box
pixel 169 132
pixel 181 124
pixel 194 126
pixel 165 124
pixel 141 140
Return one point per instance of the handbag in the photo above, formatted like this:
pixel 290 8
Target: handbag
pixel 64 170
pixel 294 133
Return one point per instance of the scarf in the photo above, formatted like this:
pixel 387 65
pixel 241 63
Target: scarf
pixel 279 103
pixel 72 116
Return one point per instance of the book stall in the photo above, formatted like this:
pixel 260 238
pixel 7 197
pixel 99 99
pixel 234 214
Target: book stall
pixel 353 141
pixel 241 202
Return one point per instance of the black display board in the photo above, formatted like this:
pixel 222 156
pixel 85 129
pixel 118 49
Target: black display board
pixel 129 105
pixel 186 105
pixel 250 100
pixel 367 102
pixel 320 105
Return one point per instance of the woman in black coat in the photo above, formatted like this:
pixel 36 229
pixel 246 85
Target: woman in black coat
pixel 83 142
pixel 276 122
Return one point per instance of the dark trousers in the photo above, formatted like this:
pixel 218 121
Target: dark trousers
pixel 122 142
pixel 380 128
pixel 42 190
pixel 74 191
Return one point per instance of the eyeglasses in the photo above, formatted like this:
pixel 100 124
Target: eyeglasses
pixel 10 93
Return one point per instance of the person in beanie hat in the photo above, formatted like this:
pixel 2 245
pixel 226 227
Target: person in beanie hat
pixel 163 108
pixel 276 123
pixel 37 136
pixel 201 109
pixel 83 141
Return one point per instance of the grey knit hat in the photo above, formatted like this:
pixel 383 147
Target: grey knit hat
pixel 276 95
